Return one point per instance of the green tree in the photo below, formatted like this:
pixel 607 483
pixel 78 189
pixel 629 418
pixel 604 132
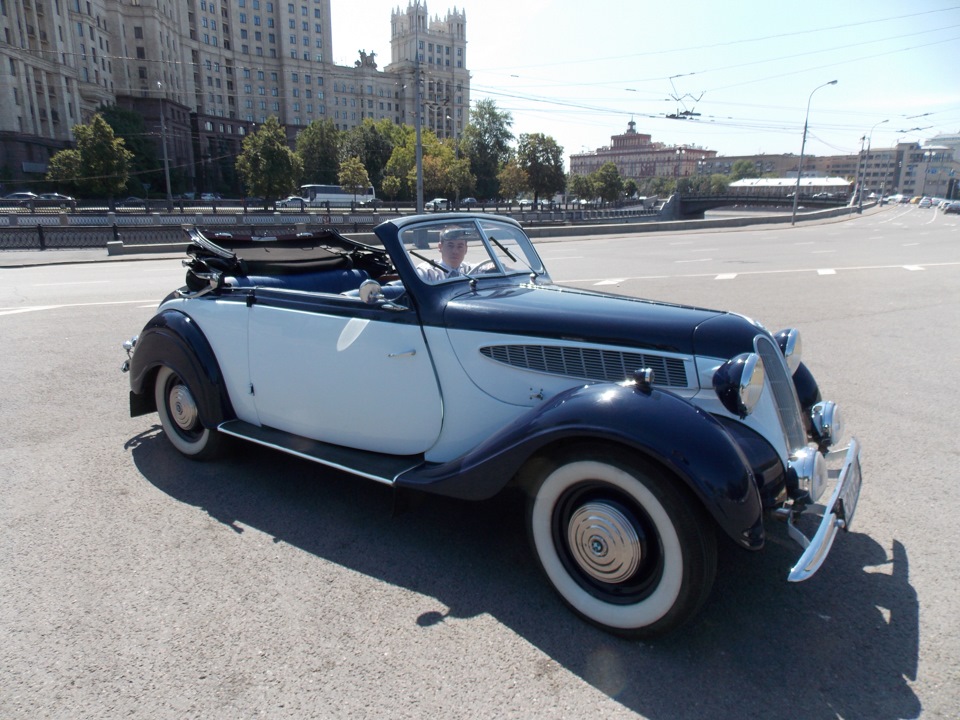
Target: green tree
pixel 66 168
pixel 581 186
pixel 608 183
pixel 486 143
pixel 512 180
pixel 100 164
pixel 353 176
pixel 630 187
pixel 743 169
pixel 267 166
pixel 373 143
pixel 146 166
pixel 392 185
pixel 318 146
pixel 541 158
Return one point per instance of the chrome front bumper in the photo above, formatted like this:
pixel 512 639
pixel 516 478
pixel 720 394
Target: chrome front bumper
pixel 836 514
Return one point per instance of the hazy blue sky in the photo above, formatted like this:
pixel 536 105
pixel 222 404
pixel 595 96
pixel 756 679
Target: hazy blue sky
pixel 579 71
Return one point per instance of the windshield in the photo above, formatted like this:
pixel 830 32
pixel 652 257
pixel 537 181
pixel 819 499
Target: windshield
pixel 449 250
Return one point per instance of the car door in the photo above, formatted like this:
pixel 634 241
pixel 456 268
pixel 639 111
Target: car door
pixel 331 368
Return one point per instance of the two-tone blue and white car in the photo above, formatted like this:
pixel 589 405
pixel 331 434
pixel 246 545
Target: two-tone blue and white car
pixel 642 433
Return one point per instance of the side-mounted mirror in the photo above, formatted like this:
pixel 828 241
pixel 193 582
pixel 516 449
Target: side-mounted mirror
pixel 371 293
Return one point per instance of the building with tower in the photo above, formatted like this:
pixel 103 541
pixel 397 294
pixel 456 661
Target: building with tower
pixel 204 73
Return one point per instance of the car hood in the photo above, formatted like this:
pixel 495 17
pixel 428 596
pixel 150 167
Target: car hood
pixel 571 315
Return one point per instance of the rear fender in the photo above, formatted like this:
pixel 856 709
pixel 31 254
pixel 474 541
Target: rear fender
pixel 173 339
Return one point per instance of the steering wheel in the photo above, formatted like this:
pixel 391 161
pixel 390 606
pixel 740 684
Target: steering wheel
pixel 484 267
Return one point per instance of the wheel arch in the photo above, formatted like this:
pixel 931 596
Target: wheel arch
pixel 172 338
pixel 677 436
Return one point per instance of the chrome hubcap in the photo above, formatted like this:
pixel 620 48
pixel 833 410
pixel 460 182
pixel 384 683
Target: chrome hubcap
pixel 183 408
pixel 604 543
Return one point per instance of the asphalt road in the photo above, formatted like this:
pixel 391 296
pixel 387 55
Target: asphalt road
pixel 136 583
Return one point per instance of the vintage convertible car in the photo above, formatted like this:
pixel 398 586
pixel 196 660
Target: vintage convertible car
pixel 641 432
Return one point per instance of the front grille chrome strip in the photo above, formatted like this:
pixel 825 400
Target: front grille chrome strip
pixel 784 392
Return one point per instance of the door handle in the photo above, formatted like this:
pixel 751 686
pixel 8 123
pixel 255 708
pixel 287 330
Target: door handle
pixel 408 353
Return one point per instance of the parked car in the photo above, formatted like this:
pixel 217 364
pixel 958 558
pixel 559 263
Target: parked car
pixel 469 202
pixel 925 202
pixel 54 199
pixel 210 197
pixel 952 208
pixel 437 204
pixel 131 201
pixel 293 202
pixel 21 197
pixel 640 431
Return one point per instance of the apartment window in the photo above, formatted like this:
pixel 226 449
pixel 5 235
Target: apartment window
pixel 141 54
pixel 138 32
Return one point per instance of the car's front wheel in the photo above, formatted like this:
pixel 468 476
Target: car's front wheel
pixel 180 417
pixel 622 543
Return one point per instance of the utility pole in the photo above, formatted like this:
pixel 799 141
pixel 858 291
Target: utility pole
pixel 166 159
pixel 803 144
pixel 416 50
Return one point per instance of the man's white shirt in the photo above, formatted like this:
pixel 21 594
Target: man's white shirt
pixel 433 274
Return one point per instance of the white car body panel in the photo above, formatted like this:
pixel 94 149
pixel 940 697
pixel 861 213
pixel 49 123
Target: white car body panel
pixel 349 381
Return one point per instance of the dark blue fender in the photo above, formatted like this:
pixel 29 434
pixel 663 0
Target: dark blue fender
pixel 172 338
pixel 808 392
pixel 684 439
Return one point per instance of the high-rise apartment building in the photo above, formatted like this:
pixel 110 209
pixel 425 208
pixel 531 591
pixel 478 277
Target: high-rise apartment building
pixel 203 73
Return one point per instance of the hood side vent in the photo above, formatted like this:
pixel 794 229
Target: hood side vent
pixel 589 363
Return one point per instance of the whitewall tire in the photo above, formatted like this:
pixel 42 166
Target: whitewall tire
pixel 621 542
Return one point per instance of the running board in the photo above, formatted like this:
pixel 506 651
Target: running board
pixel 374 466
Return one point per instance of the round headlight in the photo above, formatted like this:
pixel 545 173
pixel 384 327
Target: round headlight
pixel 791 347
pixel 827 422
pixel 811 471
pixel 739 383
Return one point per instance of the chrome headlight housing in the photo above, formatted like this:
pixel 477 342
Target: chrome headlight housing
pixel 739 383
pixel 827 422
pixel 791 347
pixel 810 468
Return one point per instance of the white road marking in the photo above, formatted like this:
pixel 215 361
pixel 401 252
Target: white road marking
pixel 79 282
pixel 912 268
pixel 760 272
pixel 693 261
pixel 34 308
pixel 826 271
pixel 726 276
pixel 615 281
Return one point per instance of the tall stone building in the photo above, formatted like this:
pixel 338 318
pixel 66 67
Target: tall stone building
pixel 204 73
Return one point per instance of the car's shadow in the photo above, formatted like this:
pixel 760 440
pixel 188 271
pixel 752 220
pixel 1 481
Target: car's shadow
pixel 842 644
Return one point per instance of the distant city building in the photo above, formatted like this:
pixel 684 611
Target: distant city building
pixel 212 70
pixel 909 168
pixel 637 157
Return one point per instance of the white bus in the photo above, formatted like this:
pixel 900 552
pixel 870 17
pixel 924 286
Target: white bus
pixel 320 195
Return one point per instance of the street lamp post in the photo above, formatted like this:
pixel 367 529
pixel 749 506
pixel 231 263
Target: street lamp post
pixel 166 159
pixel 456 155
pixel 867 160
pixel 803 144
pixel 928 158
pixel 419 150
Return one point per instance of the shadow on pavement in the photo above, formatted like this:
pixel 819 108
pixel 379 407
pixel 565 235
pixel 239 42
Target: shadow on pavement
pixel 843 644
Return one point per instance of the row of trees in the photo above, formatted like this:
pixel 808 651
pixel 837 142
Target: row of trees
pixel 114 153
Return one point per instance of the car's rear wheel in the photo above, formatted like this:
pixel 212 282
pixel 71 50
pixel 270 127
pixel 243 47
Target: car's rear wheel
pixel 180 417
pixel 624 545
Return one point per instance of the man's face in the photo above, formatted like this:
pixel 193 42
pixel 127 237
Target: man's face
pixel 452 252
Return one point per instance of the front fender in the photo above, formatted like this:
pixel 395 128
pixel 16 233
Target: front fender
pixel 680 436
pixel 172 338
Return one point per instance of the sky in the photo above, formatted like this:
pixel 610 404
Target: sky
pixel 580 71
